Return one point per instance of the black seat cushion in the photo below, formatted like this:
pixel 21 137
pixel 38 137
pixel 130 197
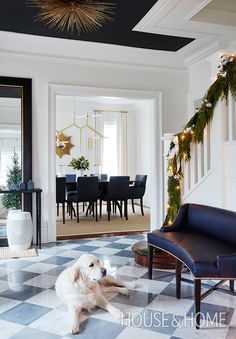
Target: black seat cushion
pixel 69 194
pixel 197 250
pixel 136 192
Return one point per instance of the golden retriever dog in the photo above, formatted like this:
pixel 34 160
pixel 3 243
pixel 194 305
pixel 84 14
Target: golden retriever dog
pixel 82 286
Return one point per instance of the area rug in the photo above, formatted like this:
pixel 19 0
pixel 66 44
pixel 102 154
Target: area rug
pixel 6 253
pixel 88 225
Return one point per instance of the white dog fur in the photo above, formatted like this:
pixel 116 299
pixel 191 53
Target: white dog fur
pixel 82 285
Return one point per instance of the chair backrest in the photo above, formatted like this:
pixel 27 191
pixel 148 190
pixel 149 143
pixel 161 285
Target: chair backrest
pixel 118 187
pixel 140 180
pixel 104 176
pixel 60 189
pixel 70 177
pixel 87 189
pixel 213 221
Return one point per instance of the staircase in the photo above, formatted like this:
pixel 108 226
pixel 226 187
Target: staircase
pixel 210 176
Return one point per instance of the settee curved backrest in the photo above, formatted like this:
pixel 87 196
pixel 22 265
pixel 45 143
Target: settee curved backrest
pixel 219 223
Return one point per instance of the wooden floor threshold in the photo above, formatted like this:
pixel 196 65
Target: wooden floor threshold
pixel 95 235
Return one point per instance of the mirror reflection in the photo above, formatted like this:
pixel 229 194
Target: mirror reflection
pixel 10 148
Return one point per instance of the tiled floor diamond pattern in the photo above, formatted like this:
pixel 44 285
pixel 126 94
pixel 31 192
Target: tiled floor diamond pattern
pixel 29 307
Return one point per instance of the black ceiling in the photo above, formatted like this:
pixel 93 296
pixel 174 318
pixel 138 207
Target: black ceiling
pixel 16 17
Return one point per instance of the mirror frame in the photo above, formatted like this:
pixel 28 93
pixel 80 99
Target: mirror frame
pixel 26 130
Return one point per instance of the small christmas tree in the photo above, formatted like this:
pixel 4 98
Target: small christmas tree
pixel 13 177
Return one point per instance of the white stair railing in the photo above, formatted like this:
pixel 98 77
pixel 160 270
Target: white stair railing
pixel 199 166
pixel 194 171
pixel 231 119
pixel 210 176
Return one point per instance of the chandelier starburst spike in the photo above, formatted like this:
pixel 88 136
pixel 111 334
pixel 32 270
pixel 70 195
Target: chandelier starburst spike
pixel 73 15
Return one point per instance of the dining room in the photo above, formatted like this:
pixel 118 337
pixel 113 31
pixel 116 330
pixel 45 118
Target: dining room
pixel 102 148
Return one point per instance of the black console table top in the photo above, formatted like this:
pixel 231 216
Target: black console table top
pixel 35 190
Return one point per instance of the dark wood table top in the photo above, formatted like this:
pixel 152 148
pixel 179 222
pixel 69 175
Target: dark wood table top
pixel 35 190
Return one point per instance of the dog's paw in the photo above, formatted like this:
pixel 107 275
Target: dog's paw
pixel 131 284
pixel 75 330
pixel 125 291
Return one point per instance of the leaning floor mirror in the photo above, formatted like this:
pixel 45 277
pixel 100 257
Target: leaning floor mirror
pixel 15 144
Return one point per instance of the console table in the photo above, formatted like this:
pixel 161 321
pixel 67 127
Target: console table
pixel 38 192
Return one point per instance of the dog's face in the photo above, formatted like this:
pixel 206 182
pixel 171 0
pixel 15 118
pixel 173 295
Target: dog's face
pixel 89 266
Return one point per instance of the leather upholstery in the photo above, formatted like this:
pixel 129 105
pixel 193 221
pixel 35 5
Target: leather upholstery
pixel 87 190
pixel 60 190
pixel 118 189
pixel 138 190
pixel 202 237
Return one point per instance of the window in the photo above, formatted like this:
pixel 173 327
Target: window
pixel 110 149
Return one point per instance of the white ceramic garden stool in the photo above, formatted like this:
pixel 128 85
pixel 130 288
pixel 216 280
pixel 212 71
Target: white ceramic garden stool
pixel 19 230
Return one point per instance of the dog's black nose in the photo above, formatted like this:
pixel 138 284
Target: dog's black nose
pixel 104 271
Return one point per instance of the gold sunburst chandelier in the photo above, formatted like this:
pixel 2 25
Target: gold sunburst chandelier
pixel 73 15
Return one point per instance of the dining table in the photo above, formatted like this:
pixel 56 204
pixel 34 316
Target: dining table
pixel 71 186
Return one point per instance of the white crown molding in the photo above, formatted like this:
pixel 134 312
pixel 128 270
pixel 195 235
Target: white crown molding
pixel 167 17
pixel 198 7
pixel 199 50
pixel 74 51
pixel 173 17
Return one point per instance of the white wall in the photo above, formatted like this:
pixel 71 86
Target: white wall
pixel 172 83
pixel 199 81
pixel 143 145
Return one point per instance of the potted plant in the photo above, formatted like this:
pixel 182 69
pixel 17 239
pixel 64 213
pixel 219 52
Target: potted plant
pixel 163 259
pixel 14 176
pixel 80 164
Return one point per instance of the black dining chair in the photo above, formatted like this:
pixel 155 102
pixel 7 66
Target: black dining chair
pixel 104 176
pixel 138 190
pixel 61 195
pixel 117 192
pixel 87 191
pixel 70 188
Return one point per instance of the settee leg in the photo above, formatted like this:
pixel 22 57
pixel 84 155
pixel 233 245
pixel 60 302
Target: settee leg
pixel 231 285
pixel 150 260
pixel 197 287
pixel 178 268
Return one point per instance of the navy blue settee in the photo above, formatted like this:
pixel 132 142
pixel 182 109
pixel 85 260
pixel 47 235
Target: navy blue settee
pixel 203 239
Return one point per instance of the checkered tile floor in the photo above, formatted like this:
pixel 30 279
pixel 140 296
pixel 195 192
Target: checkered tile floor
pixel 30 309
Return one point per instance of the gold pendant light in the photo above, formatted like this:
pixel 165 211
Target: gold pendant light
pixel 73 15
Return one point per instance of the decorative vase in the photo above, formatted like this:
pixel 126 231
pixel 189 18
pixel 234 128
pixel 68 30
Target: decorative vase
pixel 161 259
pixel 80 173
pixel 19 230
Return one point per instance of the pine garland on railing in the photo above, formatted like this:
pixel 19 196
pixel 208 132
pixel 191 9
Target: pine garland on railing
pixel 180 147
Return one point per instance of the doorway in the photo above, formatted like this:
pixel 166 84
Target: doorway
pixel 143 150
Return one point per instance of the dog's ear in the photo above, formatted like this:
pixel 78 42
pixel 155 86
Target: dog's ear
pixel 76 274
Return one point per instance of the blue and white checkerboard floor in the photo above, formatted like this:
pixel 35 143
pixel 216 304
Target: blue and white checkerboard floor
pixel 29 307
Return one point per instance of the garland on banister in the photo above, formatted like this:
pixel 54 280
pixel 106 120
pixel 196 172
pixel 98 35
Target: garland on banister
pixel 180 147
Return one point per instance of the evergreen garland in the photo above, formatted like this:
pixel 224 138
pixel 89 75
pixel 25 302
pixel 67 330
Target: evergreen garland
pixel 13 177
pixel 193 132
